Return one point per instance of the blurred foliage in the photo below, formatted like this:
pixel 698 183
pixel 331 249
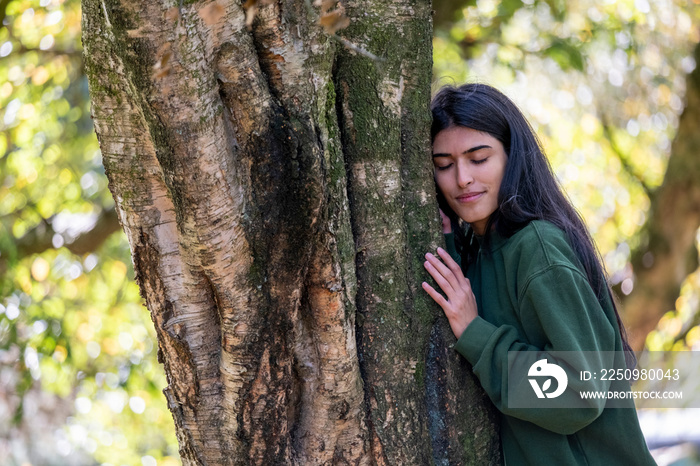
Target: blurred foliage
pixel 75 339
pixel 603 84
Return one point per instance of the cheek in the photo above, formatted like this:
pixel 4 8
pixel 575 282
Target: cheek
pixel 442 180
pixel 495 177
pixel 503 169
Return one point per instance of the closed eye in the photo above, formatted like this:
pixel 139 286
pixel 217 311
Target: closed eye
pixel 477 162
pixel 445 167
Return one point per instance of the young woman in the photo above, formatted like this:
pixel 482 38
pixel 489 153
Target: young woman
pixel 530 288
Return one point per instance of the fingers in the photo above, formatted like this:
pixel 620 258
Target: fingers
pixel 439 299
pixel 450 274
pixel 439 275
pixel 452 265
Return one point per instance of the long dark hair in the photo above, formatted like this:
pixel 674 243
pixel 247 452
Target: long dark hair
pixel 529 191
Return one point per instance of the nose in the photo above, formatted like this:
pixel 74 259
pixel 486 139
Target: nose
pixel 464 175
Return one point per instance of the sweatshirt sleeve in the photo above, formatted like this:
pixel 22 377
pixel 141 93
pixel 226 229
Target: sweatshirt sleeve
pixel 559 300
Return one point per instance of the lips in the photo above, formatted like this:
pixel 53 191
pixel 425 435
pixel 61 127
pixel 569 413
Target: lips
pixel 469 197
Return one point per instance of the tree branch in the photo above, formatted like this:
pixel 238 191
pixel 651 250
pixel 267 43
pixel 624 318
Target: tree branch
pixel 626 165
pixel 41 238
pixel 50 52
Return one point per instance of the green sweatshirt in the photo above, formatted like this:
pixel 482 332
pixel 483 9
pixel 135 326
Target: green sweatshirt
pixel 533 297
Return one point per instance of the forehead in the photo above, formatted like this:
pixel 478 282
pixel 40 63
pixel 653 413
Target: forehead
pixel 460 138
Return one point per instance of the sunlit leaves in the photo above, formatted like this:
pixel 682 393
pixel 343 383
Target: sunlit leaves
pixel 679 329
pixel 566 54
pixel 73 332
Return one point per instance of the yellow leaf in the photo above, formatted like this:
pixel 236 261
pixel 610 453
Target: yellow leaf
pixel 325 5
pixel 172 14
pixel 211 14
pixel 333 21
pixel 162 67
pixel 251 8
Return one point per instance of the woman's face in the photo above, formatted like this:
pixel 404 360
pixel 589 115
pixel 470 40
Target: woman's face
pixel 469 167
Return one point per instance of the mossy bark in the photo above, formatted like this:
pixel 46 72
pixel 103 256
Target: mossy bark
pixel 276 191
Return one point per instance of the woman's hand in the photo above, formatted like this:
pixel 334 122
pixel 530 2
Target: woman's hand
pixel 460 305
pixel 446 223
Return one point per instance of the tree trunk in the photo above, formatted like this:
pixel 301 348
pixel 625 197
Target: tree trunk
pixel 275 187
pixel 667 252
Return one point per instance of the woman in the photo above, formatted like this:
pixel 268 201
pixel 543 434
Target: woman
pixel 534 290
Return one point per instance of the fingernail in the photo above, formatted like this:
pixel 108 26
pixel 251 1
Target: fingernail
pixel 441 250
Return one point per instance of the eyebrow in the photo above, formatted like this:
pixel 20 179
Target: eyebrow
pixel 468 151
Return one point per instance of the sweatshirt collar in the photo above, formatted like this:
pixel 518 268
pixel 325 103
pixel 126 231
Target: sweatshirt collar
pixel 496 240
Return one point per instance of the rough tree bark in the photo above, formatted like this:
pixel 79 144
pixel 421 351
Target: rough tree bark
pixel 667 252
pixel 275 187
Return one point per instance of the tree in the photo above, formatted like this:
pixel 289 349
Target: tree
pixel 274 183
pixel 83 339
pixel 667 253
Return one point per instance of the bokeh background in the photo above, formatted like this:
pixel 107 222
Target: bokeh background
pixel 602 82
